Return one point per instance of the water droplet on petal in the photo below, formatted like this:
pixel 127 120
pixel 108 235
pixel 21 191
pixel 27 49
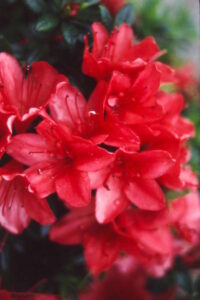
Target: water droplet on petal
pixel 112 101
pixel 117 202
pixel 138 174
pixel 92 113
pixel 121 94
pixel 58 144
pixel 39 171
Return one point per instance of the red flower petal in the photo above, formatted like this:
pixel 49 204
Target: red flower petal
pixel 145 50
pixel 183 179
pixel 121 136
pixel 38 209
pixel 25 96
pixel 96 100
pixel 89 156
pixel 187 222
pixel 119 43
pixel 70 229
pixel 11 78
pixel 113 5
pixel 13 215
pixel 151 164
pixel 100 37
pixel 146 194
pixel 159 240
pixel 147 83
pixel 101 249
pixel 110 200
pixel 97 178
pixel 28 149
pixel 172 104
pixel 68 106
pixel 42 177
pixel 37 87
pixel 6 122
pixel 166 72
pixel 74 188
pixel 183 127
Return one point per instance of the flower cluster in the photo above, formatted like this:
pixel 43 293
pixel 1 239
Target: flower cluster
pixel 125 279
pixel 114 160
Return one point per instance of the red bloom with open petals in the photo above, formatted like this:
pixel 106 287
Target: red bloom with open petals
pixel 133 177
pixel 117 52
pixel 68 106
pixel 104 243
pixel 17 205
pixel 59 162
pixel 186 216
pixel 125 280
pixel 185 78
pixel 172 105
pixel 24 93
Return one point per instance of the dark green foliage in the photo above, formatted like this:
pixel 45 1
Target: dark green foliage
pixel 193 112
pixel 46 23
pixel 125 15
pixel 36 6
pixel 106 17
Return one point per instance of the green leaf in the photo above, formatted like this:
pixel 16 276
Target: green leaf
pixel 36 6
pixel 88 3
pixel 87 16
pixel 46 23
pixel 125 15
pixel 171 195
pixel 106 18
pixel 59 3
pixel 71 34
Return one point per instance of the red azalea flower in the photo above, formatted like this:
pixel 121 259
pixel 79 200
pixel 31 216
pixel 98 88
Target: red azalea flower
pixel 68 106
pixel 185 213
pixel 133 177
pixel 117 52
pixel 113 5
pixel 24 93
pixel 129 100
pixel 159 137
pixel 125 280
pixel 172 105
pixel 74 7
pixel 17 205
pixel 59 162
pixel 6 122
pixel 104 243
pixel 134 102
pixel 185 78
pixel 180 176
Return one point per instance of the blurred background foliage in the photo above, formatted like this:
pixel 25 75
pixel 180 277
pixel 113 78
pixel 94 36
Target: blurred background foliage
pixel 53 30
